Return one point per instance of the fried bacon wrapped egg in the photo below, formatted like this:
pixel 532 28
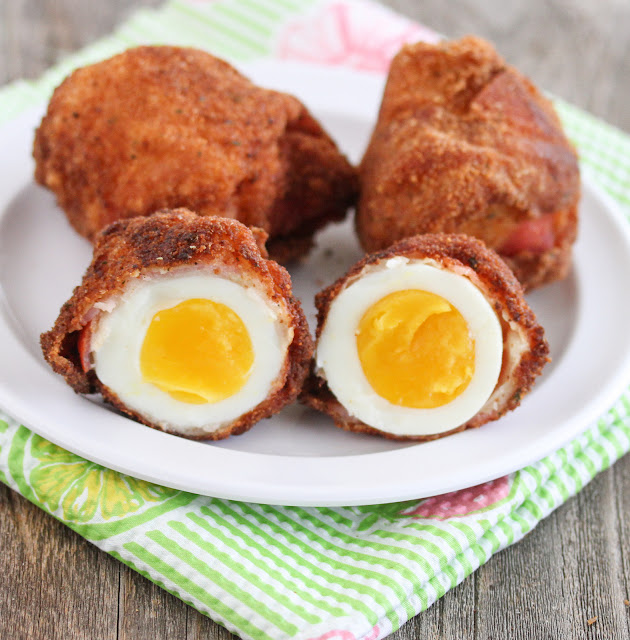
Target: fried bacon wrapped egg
pixel 429 337
pixel 163 126
pixel 465 144
pixel 182 323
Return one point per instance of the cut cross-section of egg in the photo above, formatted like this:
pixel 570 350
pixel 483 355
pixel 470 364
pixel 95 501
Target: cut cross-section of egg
pixel 410 348
pixel 183 323
pixel 194 350
pixel 429 337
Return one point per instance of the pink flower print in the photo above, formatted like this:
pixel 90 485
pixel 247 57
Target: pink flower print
pixel 362 35
pixel 340 634
pixel 462 502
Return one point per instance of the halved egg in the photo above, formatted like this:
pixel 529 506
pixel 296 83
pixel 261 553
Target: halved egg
pixel 184 326
pixel 426 338
pixel 192 350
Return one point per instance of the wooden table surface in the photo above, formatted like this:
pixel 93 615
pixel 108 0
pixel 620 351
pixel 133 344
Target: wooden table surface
pixel 576 563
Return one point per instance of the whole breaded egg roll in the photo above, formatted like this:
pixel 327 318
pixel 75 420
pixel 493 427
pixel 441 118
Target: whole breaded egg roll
pixel 163 126
pixel 464 143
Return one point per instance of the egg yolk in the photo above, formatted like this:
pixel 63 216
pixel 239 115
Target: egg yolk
pixel 415 349
pixel 198 351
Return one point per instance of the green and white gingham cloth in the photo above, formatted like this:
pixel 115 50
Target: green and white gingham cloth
pixel 286 572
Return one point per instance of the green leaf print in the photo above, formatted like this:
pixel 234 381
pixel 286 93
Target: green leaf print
pixel 84 491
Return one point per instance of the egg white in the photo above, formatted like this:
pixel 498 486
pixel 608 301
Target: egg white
pixel 117 342
pixel 338 360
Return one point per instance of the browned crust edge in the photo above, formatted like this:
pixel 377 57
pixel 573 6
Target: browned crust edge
pixel 498 284
pixel 168 240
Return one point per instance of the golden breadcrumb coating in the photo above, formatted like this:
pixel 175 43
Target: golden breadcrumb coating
pixel 525 349
pixel 170 241
pixel 171 127
pixel 465 144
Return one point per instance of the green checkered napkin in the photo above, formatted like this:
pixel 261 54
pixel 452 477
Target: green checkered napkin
pixel 286 572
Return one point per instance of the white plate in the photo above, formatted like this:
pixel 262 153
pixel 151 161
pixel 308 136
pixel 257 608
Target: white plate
pixel 299 457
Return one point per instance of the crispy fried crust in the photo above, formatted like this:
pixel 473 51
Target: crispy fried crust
pixel 173 127
pixel 466 144
pixel 525 348
pixel 168 241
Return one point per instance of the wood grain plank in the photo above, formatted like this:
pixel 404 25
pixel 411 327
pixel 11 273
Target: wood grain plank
pixel 147 611
pixel 34 34
pixel 621 486
pixel 54 585
pixel 597 558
